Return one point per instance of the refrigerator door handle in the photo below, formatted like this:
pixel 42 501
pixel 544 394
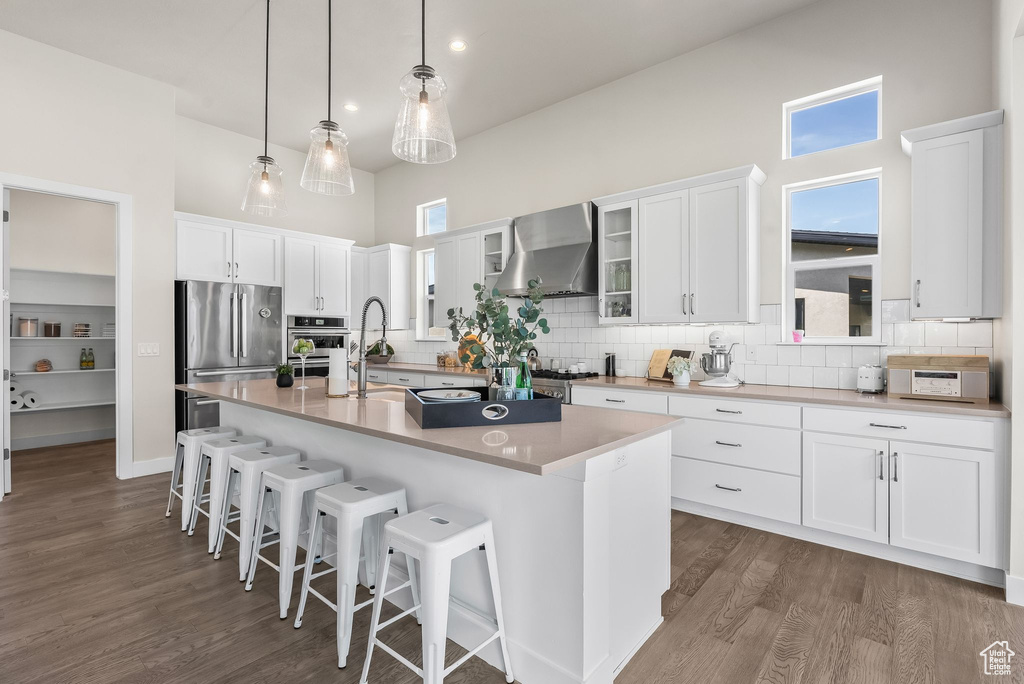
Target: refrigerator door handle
pixel 245 327
pixel 234 327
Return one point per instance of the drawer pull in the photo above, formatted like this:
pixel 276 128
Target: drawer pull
pixel 616 401
pixel 890 427
pixel 728 489
pixel 738 413
pixel 728 444
pixel 448 384
pixel 404 379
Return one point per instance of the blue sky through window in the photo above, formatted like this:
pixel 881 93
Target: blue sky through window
pixel 844 208
pixel 437 219
pixel 834 124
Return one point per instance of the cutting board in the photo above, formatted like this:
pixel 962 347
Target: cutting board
pixel 657 368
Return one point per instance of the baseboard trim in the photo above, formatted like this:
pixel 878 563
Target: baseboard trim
pixel 969 571
pixel 152 466
pixel 1014 590
pixel 62 438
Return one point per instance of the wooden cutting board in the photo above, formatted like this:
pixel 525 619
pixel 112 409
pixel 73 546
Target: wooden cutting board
pixel 657 368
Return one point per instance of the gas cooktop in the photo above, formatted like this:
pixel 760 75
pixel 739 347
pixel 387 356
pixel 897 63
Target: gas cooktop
pixel 555 375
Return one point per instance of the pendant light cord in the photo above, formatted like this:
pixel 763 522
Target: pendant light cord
pixel 266 90
pixel 423 32
pixel 329 25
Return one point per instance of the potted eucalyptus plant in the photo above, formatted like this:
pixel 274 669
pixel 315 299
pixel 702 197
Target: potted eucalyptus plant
pixel 495 335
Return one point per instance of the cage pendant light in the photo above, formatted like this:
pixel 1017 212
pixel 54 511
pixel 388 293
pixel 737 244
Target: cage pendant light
pixel 264 195
pixel 327 169
pixel 423 131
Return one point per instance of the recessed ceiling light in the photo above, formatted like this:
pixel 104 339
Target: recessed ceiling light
pixel 457 45
pixel 351 107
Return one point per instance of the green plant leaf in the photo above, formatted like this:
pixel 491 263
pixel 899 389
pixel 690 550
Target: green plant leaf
pixel 476 286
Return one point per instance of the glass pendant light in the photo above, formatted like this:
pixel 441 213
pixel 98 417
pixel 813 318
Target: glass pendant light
pixel 327 169
pixel 265 194
pixel 423 131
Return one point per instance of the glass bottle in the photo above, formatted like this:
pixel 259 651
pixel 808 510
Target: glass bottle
pixel 90 359
pixel 83 360
pixel 524 383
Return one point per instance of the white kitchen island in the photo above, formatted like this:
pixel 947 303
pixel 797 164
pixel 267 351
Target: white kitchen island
pixel 581 512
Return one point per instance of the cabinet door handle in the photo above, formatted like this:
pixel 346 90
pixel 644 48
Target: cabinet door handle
pixel 236 269
pixel 728 489
pixel 738 413
pixel 917 293
pixel 881 465
pixel 895 467
pixel 616 401
pixel 693 303
pixel 888 427
pixel 229 269
pixel 684 304
pixel 728 444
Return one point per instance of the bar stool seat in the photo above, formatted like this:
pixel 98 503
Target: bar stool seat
pixel 436 536
pixel 245 468
pixel 352 504
pixel 186 462
pixel 292 484
pixel 213 458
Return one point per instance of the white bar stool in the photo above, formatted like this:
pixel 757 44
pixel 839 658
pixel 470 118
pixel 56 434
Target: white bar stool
pixel 213 458
pixel 186 459
pixel 245 468
pixel 351 504
pixel 291 483
pixel 436 536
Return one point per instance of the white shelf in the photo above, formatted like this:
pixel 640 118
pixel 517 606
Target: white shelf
pixel 617 259
pixel 61 372
pixel 64 304
pixel 60 339
pixel 620 236
pixel 623 292
pixel 491 254
pixel 62 406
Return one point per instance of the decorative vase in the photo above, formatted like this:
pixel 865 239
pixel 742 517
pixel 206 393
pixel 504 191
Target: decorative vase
pixel 681 379
pixel 285 380
pixel 506 377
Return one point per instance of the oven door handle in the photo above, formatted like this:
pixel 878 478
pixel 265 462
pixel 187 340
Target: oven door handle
pixel 319 332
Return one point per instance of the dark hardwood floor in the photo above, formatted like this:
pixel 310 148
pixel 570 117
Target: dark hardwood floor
pixel 96 585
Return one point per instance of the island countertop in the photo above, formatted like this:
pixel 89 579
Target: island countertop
pixel 538 448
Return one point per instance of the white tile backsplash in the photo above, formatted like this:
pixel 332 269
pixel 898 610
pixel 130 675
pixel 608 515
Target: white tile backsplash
pixel 576 336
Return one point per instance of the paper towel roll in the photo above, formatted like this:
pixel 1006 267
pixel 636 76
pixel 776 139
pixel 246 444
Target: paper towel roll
pixel 14 387
pixel 31 400
pixel 17 402
pixel 337 387
pixel 337 363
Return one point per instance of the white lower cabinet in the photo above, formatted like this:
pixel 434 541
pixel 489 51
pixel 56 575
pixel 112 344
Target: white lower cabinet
pixel 756 492
pixel 846 485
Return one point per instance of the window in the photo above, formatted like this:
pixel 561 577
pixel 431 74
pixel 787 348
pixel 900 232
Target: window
pixel 427 324
pixel 845 116
pixel 833 258
pixel 432 217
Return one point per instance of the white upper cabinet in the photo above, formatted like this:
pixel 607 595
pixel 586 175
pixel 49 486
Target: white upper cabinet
pixel 446 264
pixel 334 275
pixel 956 218
pixel 359 283
pixel 257 258
pixel 470 270
pixel 664 272
pixel 682 252
pixel 383 271
pixel 301 284
pixel 465 257
pixel 204 252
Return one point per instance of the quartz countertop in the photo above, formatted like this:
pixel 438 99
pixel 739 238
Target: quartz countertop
pixel 803 395
pixel 538 448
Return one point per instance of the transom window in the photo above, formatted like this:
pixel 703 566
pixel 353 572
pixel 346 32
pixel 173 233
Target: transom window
pixel 833 258
pixel 837 118
pixel 432 217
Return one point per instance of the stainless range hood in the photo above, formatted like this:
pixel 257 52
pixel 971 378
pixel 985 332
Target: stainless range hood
pixel 558 246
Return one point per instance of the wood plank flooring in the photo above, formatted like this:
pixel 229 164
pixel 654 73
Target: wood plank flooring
pixel 96 585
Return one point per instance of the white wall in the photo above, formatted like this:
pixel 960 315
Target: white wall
pixel 52 233
pixel 720 107
pixel 212 167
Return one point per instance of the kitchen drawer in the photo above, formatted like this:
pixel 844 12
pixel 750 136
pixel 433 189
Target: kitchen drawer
pixel 769 495
pixel 947 430
pixel 625 400
pixel 751 446
pixel 406 379
pixel 376 376
pixel 756 413
pixel 453 380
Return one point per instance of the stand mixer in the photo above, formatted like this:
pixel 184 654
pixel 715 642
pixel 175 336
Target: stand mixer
pixel 717 363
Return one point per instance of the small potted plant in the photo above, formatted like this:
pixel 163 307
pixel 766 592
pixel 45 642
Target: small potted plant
pixel 680 369
pixel 285 377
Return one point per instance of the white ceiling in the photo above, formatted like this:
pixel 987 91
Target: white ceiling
pixel 523 55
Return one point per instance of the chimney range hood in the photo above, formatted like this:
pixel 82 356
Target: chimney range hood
pixel 558 246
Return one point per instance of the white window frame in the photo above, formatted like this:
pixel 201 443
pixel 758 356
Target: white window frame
pixel 421 217
pixel 791 267
pixel 834 95
pixel 423 298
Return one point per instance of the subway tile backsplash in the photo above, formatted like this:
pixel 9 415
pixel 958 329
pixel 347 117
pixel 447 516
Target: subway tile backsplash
pixel 758 356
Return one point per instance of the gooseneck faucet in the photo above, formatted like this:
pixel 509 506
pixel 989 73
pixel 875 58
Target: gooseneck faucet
pixel 361 378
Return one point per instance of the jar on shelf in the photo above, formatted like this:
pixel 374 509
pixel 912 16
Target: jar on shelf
pixel 28 327
pixel 51 328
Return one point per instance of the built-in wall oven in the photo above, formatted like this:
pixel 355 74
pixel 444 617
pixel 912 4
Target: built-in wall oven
pixel 326 332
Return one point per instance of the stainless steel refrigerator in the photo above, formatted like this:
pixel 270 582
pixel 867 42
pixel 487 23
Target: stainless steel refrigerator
pixel 223 332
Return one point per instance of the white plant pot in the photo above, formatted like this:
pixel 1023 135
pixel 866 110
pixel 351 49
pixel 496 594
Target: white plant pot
pixel 681 380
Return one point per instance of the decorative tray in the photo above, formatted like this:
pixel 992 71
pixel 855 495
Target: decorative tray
pixel 431 414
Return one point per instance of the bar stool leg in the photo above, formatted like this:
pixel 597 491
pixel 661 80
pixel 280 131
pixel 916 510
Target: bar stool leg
pixel 179 452
pixel 225 513
pixel 350 533
pixel 315 537
pixel 290 516
pixel 249 483
pixel 218 474
pixel 414 585
pixel 492 570
pixel 197 499
pixel 436 576
pixel 257 539
pixel 378 602
pixel 189 465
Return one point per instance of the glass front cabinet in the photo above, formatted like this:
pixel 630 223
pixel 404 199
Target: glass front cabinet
pixel 617 253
